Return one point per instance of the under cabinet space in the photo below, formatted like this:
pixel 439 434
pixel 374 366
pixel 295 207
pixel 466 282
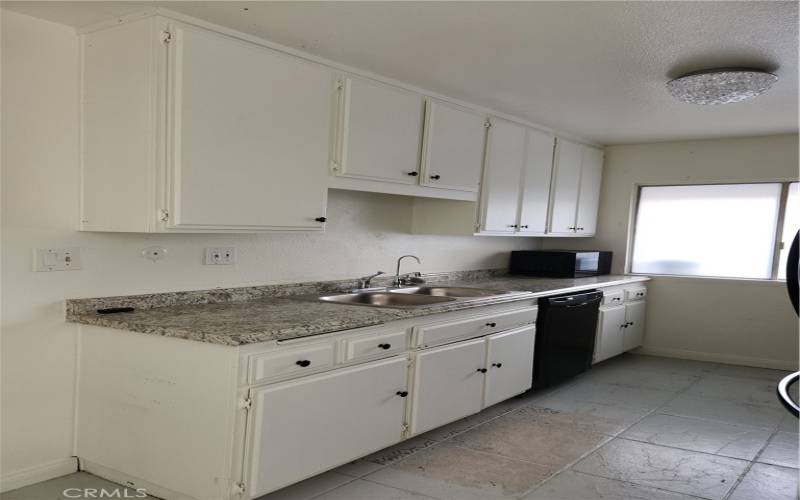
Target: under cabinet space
pixel 303 427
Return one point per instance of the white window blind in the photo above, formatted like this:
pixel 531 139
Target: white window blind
pixel 721 230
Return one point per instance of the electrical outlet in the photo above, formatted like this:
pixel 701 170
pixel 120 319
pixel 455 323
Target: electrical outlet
pixel 220 256
pixel 56 259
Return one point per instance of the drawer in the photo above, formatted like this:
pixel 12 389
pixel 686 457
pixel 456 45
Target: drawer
pixel 434 334
pixel 370 346
pixel 613 298
pixel 290 361
pixel 632 294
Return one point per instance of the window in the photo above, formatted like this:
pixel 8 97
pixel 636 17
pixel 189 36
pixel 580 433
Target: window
pixel 721 230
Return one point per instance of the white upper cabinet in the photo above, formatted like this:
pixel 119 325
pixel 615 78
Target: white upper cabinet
pixel 188 130
pixel 575 193
pixel 505 158
pixel 380 132
pixel 589 193
pixel 536 183
pixel 453 148
pixel 250 137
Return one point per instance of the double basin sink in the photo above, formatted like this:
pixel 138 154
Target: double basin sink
pixel 415 296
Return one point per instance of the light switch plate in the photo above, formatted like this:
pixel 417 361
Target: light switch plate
pixel 56 259
pixel 220 256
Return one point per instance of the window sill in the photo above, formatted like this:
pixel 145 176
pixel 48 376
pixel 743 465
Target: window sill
pixel 713 279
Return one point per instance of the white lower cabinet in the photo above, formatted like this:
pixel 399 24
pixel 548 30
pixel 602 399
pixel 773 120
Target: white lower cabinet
pixel 448 384
pixel 620 327
pixel 457 380
pixel 634 325
pixel 302 427
pixel 509 359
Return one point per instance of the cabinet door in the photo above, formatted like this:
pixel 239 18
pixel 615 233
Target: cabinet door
pixel 609 340
pixel 589 193
pixel 250 135
pixel 300 428
pixel 566 183
pixel 454 147
pixel 500 194
pixel 448 384
pixel 536 182
pixel 634 318
pixel 381 132
pixel 509 360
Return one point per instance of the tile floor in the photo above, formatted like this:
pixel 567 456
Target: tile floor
pixel 634 427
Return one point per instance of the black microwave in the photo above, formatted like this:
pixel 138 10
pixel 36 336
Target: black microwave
pixel 560 263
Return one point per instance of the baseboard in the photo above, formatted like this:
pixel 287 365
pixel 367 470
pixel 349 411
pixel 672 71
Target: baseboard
pixel 716 357
pixel 38 473
pixel 121 478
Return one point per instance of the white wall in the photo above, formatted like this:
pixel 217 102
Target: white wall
pixel 735 321
pixel 366 232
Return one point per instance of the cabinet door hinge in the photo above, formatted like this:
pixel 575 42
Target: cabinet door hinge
pixel 487 124
pixel 163 215
pixel 166 37
pixel 339 84
pixel 246 404
pixel 239 488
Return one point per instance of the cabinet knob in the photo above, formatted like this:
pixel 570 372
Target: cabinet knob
pixel 491 325
pixel 524 227
pixel 402 394
pixel 482 370
pixel 498 365
pixel 572 228
pixel 579 229
pixel 615 298
pixel 630 323
pixel 512 225
pixel 624 325
pixel 303 363
pixel 321 219
pixel 385 346
pixel 436 177
pixel 413 174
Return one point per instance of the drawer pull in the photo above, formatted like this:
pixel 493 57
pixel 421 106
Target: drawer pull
pixel 402 394
pixel 624 325
pixel 385 346
pixel 303 363
pixel 497 365
pixel 413 174
pixel 491 325
pixel 615 298
pixel 482 370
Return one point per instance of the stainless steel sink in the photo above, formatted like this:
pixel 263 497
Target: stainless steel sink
pixel 449 291
pixel 386 299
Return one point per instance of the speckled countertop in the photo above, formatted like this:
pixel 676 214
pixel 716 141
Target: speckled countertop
pixel 250 315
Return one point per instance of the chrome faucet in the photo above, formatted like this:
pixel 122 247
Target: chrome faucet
pixel 401 280
pixel 364 282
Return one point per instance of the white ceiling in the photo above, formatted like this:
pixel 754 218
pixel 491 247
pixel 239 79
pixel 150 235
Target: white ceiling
pixel 594 69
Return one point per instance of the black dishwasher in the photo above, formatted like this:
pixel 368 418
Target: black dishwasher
pixel 565 333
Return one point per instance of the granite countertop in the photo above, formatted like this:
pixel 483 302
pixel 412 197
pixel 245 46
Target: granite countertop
pixel 262 314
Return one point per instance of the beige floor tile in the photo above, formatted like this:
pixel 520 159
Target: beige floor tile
pixel 79 485
pixel 366 490
pixel 310 488
pixel 447 431
pixel 608 419
pixel 767 482
pixel 449 472
pixel 730 440
pixel 688 472
pixel 570 485
pixel 399 451
pixel 781 450
pixel 634 398
pixel 545 437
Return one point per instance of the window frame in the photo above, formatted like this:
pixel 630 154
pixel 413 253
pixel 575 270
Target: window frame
pixel 633 220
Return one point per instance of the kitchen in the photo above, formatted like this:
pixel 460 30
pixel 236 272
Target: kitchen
pixel 181 324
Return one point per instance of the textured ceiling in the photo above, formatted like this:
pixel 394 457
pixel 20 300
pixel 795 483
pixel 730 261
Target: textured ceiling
pixel 594 69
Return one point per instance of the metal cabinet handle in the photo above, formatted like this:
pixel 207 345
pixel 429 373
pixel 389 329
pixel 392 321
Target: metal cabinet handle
pixel 413 174
pixel 402 394
pixel 579 229
pixel 303 363
pixel 615 298
pixel 491 325
pixel 385 346
pixel 482 370
pixel 321 219
pixel 571 228
pixel 436 177
pixel 497 365
pixel 512 225
pixel 524 227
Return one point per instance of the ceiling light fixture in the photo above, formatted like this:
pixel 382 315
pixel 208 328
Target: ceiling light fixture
pixel 721 85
